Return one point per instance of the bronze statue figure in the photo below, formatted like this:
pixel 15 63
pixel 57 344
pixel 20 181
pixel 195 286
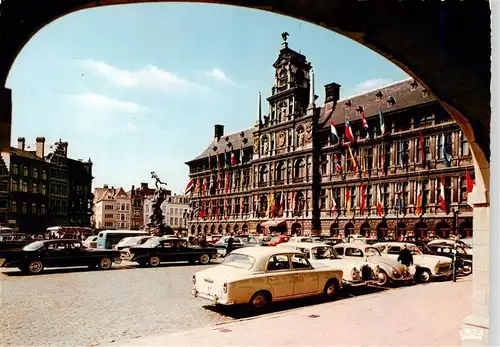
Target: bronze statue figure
pixel 157 218
pixel 284 36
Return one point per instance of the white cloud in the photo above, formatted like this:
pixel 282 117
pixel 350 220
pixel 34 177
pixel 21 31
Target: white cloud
pixel 370 85
pixel 220 76
pixel 147 77
pixel 103 104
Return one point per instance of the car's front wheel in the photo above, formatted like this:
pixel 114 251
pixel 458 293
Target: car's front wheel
pixel 105 263
pixel 423 275
pixel 260 301
pixel 204 259
pixel 34 267
pixel 382 278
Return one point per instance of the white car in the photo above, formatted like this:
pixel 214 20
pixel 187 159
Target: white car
pixel 367 240
pixel 297 239
pixel 261 275
pixel 428 266
pixel 388 271
pixel 356 271
pixel 90 242
pixel 465 245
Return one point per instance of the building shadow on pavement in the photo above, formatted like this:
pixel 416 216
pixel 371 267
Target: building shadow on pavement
pixel 242 311
pixel 54 271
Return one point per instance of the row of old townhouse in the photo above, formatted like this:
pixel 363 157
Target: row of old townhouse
pixel 41 187
pixel 389 161
pixel 116 208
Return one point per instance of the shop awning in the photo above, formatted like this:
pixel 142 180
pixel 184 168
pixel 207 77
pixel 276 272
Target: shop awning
pixel 274 223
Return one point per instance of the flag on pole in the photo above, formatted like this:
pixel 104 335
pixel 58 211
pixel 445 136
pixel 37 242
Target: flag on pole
pixel 418 203
pixel 224 212
pixel 227 163
pixel 242 206
pixel 294 196
pixel 382 160
pixel 233 159
pixel 333 130
pixel 470 182
pixel 204 186
pixel 380 206
pixel 442 199
pixel 348 200
pixel 353 161
pixel 362 197
pixel 397 197
pixel 282 205
pixel 422 150
pixel 189 187
pixel 382 123
pixel 401 154
pixel 365 125
pixel 226 181
pixel 348 132
pixel 444 151
pixel 334 204
pixel 209 162
pixel 210 208
pixel 218 160
pixel 338 166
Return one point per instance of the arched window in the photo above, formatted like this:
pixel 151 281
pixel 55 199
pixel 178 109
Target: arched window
pixel 300 203
pixel 299 169
pixel 334 230
pixel 364 230
pixel 280 171
pixel 264 147
pixel 263 204
pixel 263 174
pixel 348 229
pixel 299 137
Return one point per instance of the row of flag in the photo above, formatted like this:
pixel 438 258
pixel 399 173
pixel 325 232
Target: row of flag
pixel 205 186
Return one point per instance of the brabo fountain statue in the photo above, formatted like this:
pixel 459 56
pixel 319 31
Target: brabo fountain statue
pixel 157 219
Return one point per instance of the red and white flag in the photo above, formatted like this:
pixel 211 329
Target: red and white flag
pixel 362 198
pixel 334 205
pixel 442 200
pixel 471 186
pixel 233 159
pixel 348 132
pixel 380 206
pixel 418 204
pixel 242 205
pixel 189 187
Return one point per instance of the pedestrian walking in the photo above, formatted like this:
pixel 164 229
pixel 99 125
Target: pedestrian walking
pixel 203 241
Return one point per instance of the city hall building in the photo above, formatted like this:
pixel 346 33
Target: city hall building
pixel 389 162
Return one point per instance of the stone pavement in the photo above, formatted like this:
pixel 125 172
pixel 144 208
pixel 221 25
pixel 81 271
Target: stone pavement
pixel 420 315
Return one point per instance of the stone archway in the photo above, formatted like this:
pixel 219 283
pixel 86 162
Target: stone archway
pixel 442 230
pixel 212 229
pixel 192 229
pixel 220 229
pixel 348 229
pixel 259 229
pixel 465 230
pixel 365 229
pixel 421 231
pixel 244 228
pixel 402 231
pixel 236 229
pixel 382 231
pixel 334 230
pixel 228 229
pixel 205 229
pixel 296 229
pixel 199 228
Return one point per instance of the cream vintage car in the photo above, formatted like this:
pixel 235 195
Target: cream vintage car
pixel 427 266
pixel 261 275
pixel 388 271
pixel 356 271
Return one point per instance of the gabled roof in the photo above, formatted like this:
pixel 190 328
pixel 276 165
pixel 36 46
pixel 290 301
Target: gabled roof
pixel 25 154
pixel 120 193
pixel 401 91
pixel 235 139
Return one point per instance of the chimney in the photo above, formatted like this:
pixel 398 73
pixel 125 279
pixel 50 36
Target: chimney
pixel 144 186
pixel 332 92
pixel 106 186
pixel 21 141
pixel 218 131
pixel 40 147
pixel 64 146
pixel 133 187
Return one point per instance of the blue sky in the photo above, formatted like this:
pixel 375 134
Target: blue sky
pixel 138 88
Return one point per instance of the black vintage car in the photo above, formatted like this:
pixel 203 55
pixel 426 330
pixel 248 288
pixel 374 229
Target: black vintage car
pixel 464 260
pixel 36 256
pixel 14 240
pixel 158 250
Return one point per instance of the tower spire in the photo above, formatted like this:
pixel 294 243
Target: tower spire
pixel 312 96
pixel 260 108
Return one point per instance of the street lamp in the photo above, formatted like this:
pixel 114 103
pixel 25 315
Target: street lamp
pixel 455 220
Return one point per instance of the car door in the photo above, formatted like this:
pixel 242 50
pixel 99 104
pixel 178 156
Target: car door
pixel 167 251
pixel 305 279
pixel 279 276
pixel 75 254
pixel 55 254
pixel 182 251
pixel 393 252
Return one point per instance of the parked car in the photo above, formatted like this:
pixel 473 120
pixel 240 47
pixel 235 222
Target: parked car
pixel 221 245
pixel 428 266
pixel 320 253
pixel 132 241
pixel 388 271
pixel 14 240
pixel 90 242
pixel 261 275
pixel 276 240
pixel 367 240
pixel 332 241
pixel 297 239
pixel 248 241
pixel 158 250
pixel 463 259
pixel 36 256
pixel 465 245
pixel 212 239
pixel 264 240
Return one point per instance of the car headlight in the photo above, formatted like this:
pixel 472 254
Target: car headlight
pixel 376 270
pixel 395 273
pixel 354 273
pixel 224 287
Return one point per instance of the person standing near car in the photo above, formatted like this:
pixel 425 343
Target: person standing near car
pixel 230 244
pixel 405 256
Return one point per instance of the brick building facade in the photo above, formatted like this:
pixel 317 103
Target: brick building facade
pixel 396 165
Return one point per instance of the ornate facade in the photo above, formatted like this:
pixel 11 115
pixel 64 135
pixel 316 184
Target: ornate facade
pixel 384 163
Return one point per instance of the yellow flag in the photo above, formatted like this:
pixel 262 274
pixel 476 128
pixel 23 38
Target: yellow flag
pixel 353 161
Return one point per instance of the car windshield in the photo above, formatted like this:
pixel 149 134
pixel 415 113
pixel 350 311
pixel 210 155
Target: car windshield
pixel 275 239
pixel 241 261
pixel 371 251
pixel 324 253
pixel 415 250
pixel 152 242
pixel 305 239
pixel 33 246
pixel 128 241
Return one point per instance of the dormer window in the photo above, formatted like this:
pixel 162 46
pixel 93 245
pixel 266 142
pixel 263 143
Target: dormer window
pixel 359 109
pixel 379 95
pixel 391 101
pixel 214 148
pixel 413 85
pixel 425 93
pixel 348 103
